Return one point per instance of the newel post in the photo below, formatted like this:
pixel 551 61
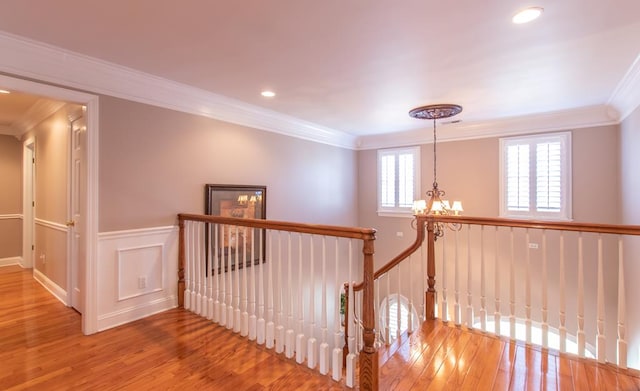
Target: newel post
pixel 369 355
pixel 181 262
pixel 430 299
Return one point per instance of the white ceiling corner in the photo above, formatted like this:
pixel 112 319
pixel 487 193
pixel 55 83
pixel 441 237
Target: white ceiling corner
pixel 626 97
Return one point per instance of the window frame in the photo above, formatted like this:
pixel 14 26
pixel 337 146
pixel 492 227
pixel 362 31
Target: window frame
pixel 565 213
pixel 398 211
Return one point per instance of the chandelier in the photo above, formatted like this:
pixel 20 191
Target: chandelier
pixel 436 205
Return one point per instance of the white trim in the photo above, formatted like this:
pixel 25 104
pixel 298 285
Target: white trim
pixel 37 60
pixel 119 266
pixel 51 224
pixel 28 183
pixel 51 286
pixel 580 118
pixel 11 217
pixel 129 314
pixel 626 96
pixel 11 261
pixel 130 233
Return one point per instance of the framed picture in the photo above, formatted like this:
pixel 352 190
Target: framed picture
pixel 239 201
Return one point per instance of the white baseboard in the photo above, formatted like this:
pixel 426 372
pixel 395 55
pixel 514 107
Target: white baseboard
pixel 51 286
pixel 130 314
pixel 11 261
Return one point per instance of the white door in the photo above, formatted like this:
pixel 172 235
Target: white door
pixel 77 192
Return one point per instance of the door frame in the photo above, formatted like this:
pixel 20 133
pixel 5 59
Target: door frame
pixel 28 190
pixel 90 217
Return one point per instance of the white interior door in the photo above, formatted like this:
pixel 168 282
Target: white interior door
pixel 77 195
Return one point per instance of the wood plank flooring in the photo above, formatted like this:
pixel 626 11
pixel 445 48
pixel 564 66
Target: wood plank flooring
pixel 42 348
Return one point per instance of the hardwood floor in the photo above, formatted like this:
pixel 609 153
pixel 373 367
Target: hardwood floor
pixel 41 347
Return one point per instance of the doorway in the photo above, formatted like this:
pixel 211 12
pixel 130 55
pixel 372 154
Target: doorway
pixel 86 255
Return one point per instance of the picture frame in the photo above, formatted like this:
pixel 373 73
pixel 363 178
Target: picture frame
pixel 239 201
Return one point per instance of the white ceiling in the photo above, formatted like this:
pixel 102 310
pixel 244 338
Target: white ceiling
pixel 359 66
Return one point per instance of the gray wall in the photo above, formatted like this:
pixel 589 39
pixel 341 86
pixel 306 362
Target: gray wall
pixel 469 171
pixel 10 197
pixel 155 162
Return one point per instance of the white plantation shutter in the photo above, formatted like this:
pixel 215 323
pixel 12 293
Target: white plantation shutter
pixel 535 176
pixel 548 176
pixel 387 181
pixel 398 179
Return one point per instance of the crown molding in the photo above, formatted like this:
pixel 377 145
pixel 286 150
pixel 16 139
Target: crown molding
pixel 41 110
pixel 584 117
pixel 35 60
pixel 626 96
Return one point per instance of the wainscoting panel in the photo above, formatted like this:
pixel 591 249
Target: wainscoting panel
pixel 137 274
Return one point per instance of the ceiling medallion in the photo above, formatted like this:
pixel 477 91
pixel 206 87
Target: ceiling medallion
pixel 435 111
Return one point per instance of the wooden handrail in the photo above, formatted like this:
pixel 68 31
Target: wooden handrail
pixel 420 236
pixel 315 229
pixel 539 224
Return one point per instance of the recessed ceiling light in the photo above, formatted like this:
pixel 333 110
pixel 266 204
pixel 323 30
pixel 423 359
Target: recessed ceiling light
pixel 527 15
pixel 268 94
pixel 5 92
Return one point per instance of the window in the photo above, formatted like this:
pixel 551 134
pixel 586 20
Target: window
pixel 390 303
pixel 398 179
pixel 535 178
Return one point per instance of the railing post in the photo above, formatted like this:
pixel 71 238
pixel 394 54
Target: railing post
pixel 430 299
pixel 369 355
pixel 181 262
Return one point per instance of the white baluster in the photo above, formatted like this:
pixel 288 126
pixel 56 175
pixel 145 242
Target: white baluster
pixel 562 330
pixel 512 288
pixel 210 272
pixel 351 340
pixel 483 284
pixel 224 253
pixel 527 285
pixel 457 310
pixel 324 346
pixel 387 330
pixel 545 323
pixel 290 338
pixel 410 298
pixel 187 265
pixel 601 353
pixel 230 287
pixel 445 304
pixel 198 260
pixel 301 342
pixel 215 262
pixel 497 315
pixel 398 305
pixel 270 339
pixel 194 274
pixel 261 332
pixel 622 343
pixel 280 332
pixel 581 335
pixel 312 347
pixel 336 361
pixel 423 281
pixel 244 317
pixel 253 319
pixel 470 312
pixel 238 262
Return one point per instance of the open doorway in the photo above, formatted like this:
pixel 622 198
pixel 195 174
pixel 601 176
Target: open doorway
pixel 75 222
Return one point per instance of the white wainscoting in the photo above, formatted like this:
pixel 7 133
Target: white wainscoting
pixel 137 274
